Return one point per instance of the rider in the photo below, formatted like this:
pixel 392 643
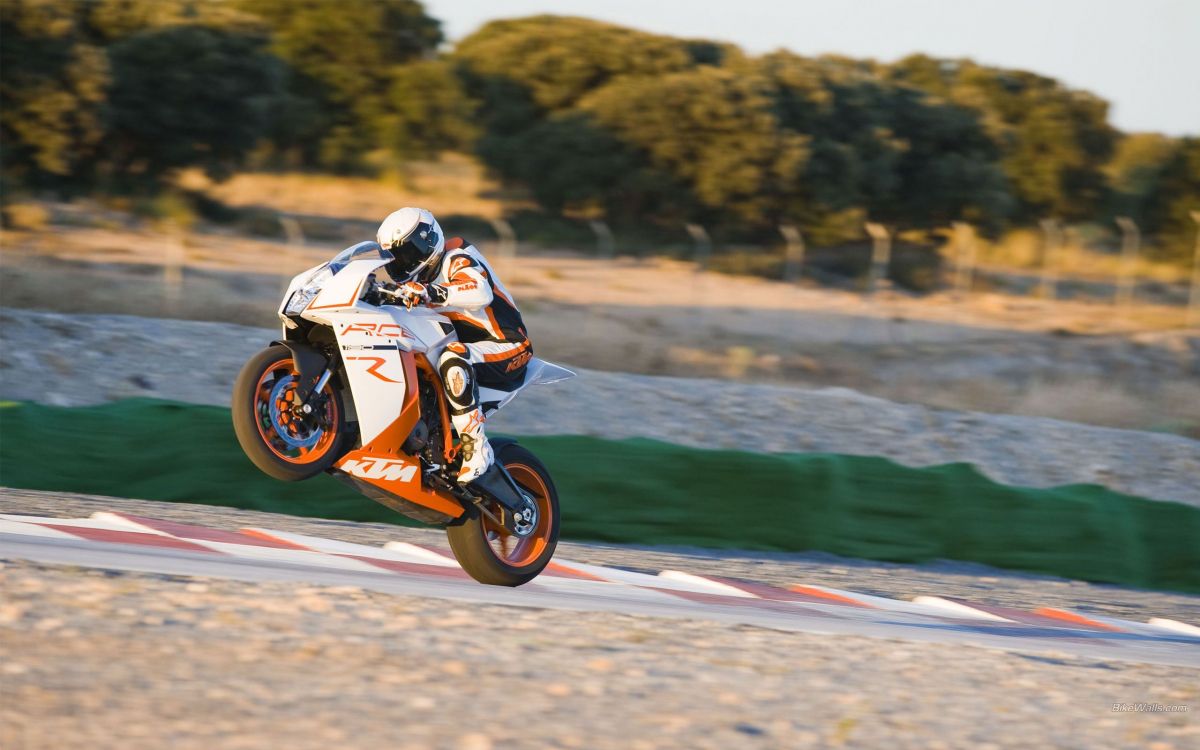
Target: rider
pixel 492 346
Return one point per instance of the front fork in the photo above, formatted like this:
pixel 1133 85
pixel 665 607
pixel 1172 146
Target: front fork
pixel 307 409
pixel 316 391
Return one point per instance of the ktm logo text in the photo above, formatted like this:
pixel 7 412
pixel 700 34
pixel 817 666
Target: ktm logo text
pixel 379 468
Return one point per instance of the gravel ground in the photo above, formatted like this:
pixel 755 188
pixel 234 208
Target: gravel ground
pixel 98 658
pixel 969 581
pixel 83 359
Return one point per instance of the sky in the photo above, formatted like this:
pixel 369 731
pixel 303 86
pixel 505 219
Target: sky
pixel 1143 56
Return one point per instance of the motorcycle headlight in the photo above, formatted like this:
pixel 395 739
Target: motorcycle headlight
pixel 305 294
pixel 299 301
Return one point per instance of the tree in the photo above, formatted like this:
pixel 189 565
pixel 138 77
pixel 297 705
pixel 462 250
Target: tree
pixel 558 60
pixel 1135 170
pixel 1053 140
pixel 53 87
pixel 187 95
pixel 528 75
pixel 1171 199
pixel 110 21
pixel 712 130
pixel 531 77
pixel 569 162
pixel 343 55
pixel 895 151
pixel 427 111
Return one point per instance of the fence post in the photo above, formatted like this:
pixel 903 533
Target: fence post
pixel 507 250
pixel 1193 316
pixel 881 255
pixel 793 264
pixel 606 246
pixel 292 230
pixel 964 258
pixel 1130 243
pixel 173 267
pixel 1051 244
pixel 295 239
pixel 701 244
pixel 702 249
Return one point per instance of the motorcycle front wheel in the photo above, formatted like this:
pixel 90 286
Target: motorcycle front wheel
pixel 492 554
pixel 277 436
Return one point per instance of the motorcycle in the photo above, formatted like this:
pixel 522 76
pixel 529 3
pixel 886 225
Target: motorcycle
pixel 351 389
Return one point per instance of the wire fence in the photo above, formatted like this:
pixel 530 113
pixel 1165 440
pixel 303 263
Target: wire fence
pixel 963 258
pixel 1050 274
pixel 966 272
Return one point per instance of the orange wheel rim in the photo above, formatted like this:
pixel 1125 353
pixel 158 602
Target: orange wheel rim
pixel 284 433
pixel 509 548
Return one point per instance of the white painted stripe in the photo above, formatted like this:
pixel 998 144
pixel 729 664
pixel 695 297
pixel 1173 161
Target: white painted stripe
pixel 878 602
pixel 1130 626
pixel 83 523
pixel 32 529
pixel 293 556
pixel 420 555
pixel 604 589
pixel 705 584
pixel 336 547
pixel 633 578
pixel 112 520
pixel 1174 626
pixel 957 608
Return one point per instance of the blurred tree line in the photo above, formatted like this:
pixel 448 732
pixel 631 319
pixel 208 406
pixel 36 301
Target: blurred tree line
pixel 593 119
pixel 120 93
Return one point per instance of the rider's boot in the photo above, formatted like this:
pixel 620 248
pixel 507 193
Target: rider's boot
pixel 475 450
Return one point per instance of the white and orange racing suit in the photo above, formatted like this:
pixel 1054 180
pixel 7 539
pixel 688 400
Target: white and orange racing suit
pixel 492 348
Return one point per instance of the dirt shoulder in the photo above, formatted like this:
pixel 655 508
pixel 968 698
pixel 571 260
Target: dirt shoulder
pixel 196 663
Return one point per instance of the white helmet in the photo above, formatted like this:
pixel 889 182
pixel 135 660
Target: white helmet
pixel 415 240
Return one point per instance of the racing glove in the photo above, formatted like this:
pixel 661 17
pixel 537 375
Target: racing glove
pixel 409 293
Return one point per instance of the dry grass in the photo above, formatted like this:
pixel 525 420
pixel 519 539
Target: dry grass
pixel 455 184
pixel 30 216
pixel 1097 260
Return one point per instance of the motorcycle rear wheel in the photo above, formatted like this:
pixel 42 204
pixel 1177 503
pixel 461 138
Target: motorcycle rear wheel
pixel 491 554
pixel 273 436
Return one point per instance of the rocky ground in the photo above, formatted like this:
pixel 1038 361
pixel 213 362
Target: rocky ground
pixel 95 658
pixel 83 359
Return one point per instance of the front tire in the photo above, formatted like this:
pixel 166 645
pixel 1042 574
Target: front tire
pixel 491 554
pixel 274 437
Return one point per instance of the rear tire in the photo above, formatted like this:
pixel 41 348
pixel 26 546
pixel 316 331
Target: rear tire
pixel 273 439
pixel 491 554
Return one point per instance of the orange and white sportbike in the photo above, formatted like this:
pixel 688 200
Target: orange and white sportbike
pixel 350 389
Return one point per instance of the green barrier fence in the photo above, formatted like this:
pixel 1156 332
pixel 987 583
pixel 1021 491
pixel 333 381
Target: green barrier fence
pixel 648 492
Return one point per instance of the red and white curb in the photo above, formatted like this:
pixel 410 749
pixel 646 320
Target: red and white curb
pixel 403 558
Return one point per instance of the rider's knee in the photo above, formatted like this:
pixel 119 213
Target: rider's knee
pixel 458 378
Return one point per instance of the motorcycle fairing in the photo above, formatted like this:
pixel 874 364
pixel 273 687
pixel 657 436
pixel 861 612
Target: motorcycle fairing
pixel 382 463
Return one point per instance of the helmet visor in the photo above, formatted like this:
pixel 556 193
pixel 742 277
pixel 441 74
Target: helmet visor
pixel 413 251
